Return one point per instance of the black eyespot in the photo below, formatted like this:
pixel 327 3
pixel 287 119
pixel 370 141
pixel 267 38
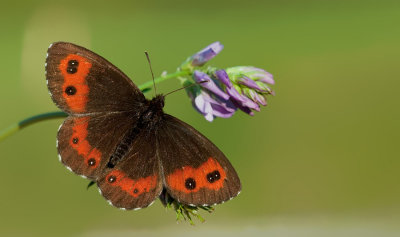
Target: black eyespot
pixel 75 140
pixel 70 90
pixel 213 176
pixel 190 183
pixel 91 162
pixel 73 63
pixel 135 190
pixel 111 179
pixel 72 70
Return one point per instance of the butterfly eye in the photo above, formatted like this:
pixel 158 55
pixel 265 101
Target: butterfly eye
pixel 190 183
pixel 213 176
pixel 70 90
pixel 135 191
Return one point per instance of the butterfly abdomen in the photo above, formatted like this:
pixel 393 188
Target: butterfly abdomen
pixel 123 147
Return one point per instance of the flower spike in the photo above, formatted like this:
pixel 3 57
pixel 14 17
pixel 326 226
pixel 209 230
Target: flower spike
pixel 241 87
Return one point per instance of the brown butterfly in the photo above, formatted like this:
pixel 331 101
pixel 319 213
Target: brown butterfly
pixel 125 143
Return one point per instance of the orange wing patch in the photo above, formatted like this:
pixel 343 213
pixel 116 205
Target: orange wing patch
pixel 133 187
pixel 81 145
pixel 188 179
pixel 75 69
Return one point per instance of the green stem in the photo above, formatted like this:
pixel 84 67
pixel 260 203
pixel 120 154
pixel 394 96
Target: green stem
pixel 31 120
pixel 148 85
pixel 53 115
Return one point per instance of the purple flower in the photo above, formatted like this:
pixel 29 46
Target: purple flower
pixel 210 105
pixel 246 81
pixel 206 54
pixel 225 91
pixel 223 77
pixel 241 101
pixel 213 107
pixel 209 85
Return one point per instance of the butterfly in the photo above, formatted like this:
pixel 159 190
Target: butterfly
pixel 124 142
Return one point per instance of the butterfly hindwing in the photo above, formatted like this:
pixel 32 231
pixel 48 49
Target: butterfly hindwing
pixel 195 171
pixel 135 182
pixel 81 81
pixel 85 143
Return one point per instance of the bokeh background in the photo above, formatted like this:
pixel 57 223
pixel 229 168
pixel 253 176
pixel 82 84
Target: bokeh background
pixel 321 159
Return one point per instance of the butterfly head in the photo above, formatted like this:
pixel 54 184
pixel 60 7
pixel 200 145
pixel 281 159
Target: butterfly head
pixel 157 102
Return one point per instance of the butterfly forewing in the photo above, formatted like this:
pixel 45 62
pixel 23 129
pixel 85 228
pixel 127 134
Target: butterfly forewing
pixel 135 182
pixel 81 82
pixel 195 171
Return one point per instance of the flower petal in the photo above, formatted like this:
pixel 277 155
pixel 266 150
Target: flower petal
pixel 211 107
pixel 201 104
pixel 243 108
pixel 223 77
pixel 266 78
pixel 260 99
pixel 210 85
pixel 204 107
pixel 241 99
pixel 221 108
pixel 221 111
pixel 246 81
pixel 264 87
pixel 206 54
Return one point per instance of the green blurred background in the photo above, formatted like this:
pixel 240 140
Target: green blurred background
pixel 321 160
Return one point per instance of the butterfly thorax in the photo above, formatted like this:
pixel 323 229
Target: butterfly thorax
pixel 153 114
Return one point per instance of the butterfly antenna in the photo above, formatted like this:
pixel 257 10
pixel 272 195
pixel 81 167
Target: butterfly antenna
pixel 196 83
pixel 151 70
